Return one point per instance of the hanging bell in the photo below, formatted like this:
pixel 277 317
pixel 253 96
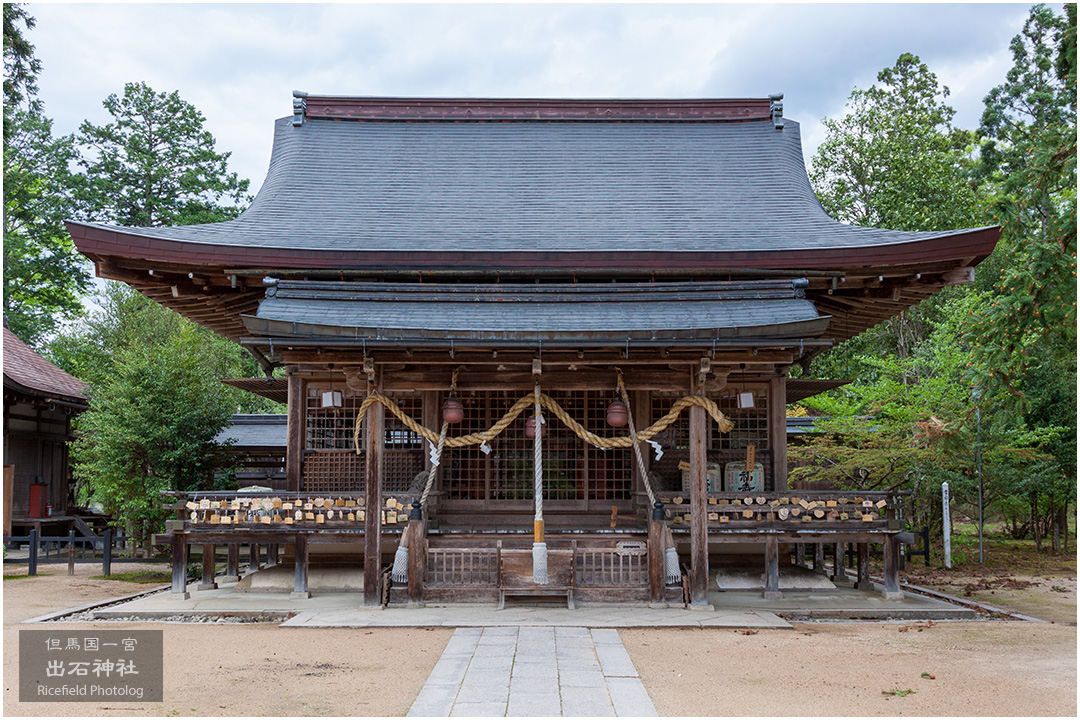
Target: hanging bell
pixel 617 414
pixel 530 427
pixel 453 411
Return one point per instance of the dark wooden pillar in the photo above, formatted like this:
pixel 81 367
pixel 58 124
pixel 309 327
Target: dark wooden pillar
pixel 179 568
pixel 254 561
pixel 300 569
pixel 296 432
pixel 777 419
pixel 417 560
pixel 862 566
pixel 209 559
pixel 819 558
pixel 800 554
pixel 232 563
pixel 373 444
pixel 656 555
pixel 271 554
pixel 699 508
pixel 892 591
pixel 772 569
pixel 838 574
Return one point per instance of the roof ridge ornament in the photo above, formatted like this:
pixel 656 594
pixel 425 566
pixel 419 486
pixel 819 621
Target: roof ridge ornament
pixel 776 109
pixel 299 107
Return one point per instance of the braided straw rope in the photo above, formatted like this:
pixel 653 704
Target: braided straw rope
pixel 538 456
pixel 495 430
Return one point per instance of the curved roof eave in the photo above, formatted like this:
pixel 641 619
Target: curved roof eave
pixel 102 241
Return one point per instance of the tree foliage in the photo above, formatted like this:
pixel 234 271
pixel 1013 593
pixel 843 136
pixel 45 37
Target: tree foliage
pixel 156 404
pixel 155 164
pixel 1030 155
pixel 44 276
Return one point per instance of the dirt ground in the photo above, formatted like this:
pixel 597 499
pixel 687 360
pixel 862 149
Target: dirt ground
pixel 978 668
pixel 999 668
pixel 234 669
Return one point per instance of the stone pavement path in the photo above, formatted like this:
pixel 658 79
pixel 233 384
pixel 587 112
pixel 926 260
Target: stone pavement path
pixel 533 671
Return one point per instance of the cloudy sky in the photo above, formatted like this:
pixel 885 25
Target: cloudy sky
pixel 240 63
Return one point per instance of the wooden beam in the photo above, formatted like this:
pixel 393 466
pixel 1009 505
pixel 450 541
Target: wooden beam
pixel 891 570
pixel 417 560
pixel 179 568
pixel 208 562
pixel 777 423
pixel 862 566
pixel 300 569
pixel 699 538
pixel 556 359
pixel 772 569
pixel 656 551
pixel 373 446
pixel 296 432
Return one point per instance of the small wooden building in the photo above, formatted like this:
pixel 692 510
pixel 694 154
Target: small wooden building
pixel 524 249
pixel 40 400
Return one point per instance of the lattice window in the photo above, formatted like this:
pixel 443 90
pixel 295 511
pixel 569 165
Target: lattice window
pixel 751 426
pixel 573 470
pixel 333 471
pixel 331 462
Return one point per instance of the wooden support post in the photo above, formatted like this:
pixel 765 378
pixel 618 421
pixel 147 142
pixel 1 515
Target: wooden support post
pixel 271 554
pixel 862 566
pixel 819 558
pixel 892 590
pixel 800 554
pixel 417 560
pixel 699 539
pixel 296 431
pixel 656 554
pixel 71 552
pixel 209 560
pixel 31 566
pixel 179 568
pixel 373 442
pixel 232 564
pixel 642 402
pixel 772 569
pixel 300 570
pixel 254 558
pixel 106 552
pixel 838 574
pixel 777 420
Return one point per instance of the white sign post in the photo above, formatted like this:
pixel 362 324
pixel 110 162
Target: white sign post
pixel 946 524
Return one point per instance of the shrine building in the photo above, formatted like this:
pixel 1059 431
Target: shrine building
pixel 535 347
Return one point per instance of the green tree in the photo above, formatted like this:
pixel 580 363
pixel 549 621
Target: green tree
pixel 156 405
pixel 44 276
pixel 21 68
pixel 894 160
pixel 156 164
pixel 1030 154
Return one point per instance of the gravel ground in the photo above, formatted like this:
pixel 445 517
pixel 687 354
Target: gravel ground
pixel 234 669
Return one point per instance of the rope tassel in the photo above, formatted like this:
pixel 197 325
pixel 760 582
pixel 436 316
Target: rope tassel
pixel 540 565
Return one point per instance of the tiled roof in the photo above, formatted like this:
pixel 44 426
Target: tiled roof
pixel 529 314
pixel 337 187
pixel 255 431
pixel 28 372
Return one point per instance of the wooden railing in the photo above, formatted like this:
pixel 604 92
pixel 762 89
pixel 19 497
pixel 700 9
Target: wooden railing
pixel 793 510
pixel 611 567
pixel 222 510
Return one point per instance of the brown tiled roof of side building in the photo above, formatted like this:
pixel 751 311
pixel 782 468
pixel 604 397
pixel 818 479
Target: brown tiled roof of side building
pixel 28 372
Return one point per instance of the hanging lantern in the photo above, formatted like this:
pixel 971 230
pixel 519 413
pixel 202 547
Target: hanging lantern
pixel 746 400
pixel 617 414
pixel 331 399
pixel 530 427
pixel 453 411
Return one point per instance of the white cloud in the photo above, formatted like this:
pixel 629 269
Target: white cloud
pixel 239 63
